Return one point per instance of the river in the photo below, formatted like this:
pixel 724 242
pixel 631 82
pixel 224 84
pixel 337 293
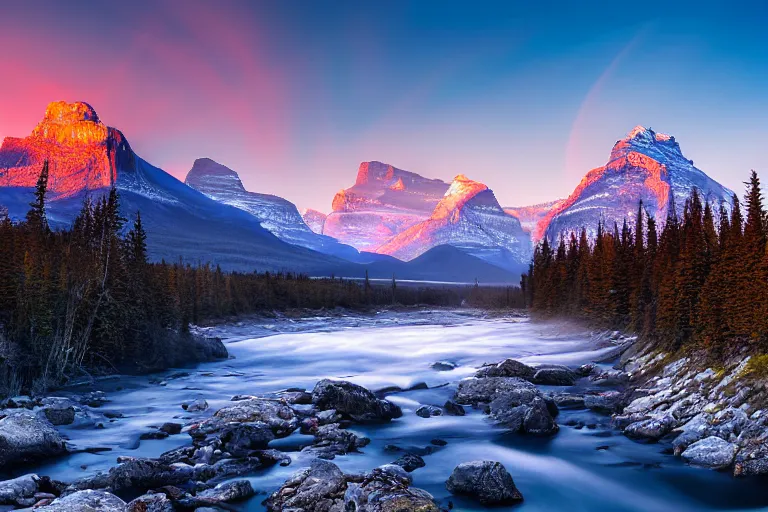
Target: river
pixel 589 469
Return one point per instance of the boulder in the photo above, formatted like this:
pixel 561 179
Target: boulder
pixel 555 376
pixel 25 438
pixel 280 418
pixel 485 480
pixel 324 488
pixel 171 428
pixel 694 430
pixel 454 409
pixel 59 411
pixel 21 488
pixel 156 502
pixel 538 421
pixel 410 462
pixel 752 460
pixel 711 452
pixel 318 488
pixel 427 411
pixel 87 501
pixel 387 490
pixel 331 440
pixel 474 391
pixel 443 366
pixel 147 474
pixel 240 439
pixel 230 491
pixel 568 400
pixel 353 401
pixel 524 410
pixel 507 368
pixel 195 405
pixel 605 403
pixel 651 428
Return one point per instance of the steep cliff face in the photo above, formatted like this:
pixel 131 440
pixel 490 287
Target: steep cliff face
pixel 383 202
pixel 84 154
pixel 279 216
pixel 468 217
pixel 644 165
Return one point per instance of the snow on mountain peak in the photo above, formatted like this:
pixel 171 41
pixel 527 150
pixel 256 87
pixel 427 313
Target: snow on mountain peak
pixel 646 166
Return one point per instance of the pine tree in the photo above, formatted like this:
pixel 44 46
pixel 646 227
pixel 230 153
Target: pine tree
pixel 754 274
pixel 37 219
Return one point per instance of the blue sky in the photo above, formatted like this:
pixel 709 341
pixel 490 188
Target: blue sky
pixel 294 95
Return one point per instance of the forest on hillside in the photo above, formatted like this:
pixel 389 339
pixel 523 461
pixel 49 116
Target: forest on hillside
pixel 87 299
pixel 701 282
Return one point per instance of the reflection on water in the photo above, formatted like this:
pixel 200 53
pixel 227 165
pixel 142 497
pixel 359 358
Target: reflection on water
pixel 592 469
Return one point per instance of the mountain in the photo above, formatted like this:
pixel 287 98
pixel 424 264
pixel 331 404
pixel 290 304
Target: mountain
pixel 87 158
pixel 530 216
pixel 277 215
pixel 445 263
pixel 314 219
pixel 644 165
pixel 467 217
pixel 383 202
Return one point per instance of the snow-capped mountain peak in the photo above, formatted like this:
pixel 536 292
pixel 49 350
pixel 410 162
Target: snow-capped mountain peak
pixel 644 165
pixel 468 217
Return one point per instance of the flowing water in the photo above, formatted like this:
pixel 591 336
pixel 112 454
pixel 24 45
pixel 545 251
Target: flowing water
pixel 588 469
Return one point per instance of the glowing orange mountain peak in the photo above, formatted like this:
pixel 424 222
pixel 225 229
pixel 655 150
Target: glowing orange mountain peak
pixel 84 154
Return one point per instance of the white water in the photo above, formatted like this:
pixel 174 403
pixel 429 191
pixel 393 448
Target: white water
pixel 565 472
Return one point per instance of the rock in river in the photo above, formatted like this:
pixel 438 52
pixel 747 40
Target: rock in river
pixel 555 376
pixel 324 488
pixel 25 438
pixel 19 489
pixel 353 401
pixel 487 481
pixel 156 502
pixel 427 411
pixel 410 462
pixel 485 390
pixel 507 368
pixel 711 452
pixel 86 501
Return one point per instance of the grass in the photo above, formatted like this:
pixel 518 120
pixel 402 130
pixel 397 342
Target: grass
pixel 757 368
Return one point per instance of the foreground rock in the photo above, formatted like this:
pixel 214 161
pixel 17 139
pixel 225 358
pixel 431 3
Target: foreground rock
pixel 711 452
pixel 274 413
pixel 25 438
pixel 156 502
pixel 512 402
pixel 507 368
pixel 353 401
pixel 19 491
pixel 487 481
pixel 323 487
pixel 87 501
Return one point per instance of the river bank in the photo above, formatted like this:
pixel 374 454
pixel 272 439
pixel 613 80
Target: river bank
pixel 585 465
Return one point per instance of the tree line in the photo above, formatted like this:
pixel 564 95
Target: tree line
pixel 700 281
pixel 89 299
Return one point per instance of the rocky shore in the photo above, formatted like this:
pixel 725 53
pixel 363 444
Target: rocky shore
pixel 711 417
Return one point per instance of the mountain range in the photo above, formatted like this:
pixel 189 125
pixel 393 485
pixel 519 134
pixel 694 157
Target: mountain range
pixel 87 158
pixel 391 221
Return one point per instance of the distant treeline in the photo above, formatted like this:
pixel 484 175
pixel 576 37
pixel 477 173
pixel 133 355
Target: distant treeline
pixel 84 299
pixel 702 282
